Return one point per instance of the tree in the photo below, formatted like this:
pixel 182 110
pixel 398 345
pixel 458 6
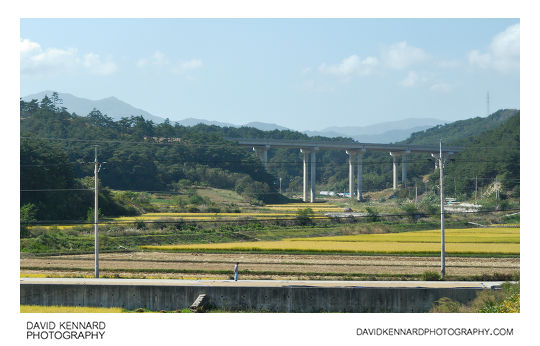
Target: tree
pixel 304 216
pixel 28 215
pixel 56 100
pixel 47 104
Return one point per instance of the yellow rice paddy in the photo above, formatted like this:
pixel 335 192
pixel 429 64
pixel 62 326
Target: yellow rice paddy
pixel 458 241
pixel 67 309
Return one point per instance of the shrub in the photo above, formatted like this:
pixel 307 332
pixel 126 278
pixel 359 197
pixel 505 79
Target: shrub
pixel 373 214
pixel 412 211
pixel 303 216
pixel 446 304
pixel 431 276
pixel 90 214
pixel 196 199
pixel 28 214
pixel 140 225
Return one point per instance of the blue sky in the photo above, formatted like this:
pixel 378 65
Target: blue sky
pixel 306 74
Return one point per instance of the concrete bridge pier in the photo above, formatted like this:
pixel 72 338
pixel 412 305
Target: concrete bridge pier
pixel 359 175
pixel 305 175
pixel 309 190
pixel 351 172
pixel 404 168
pixel 359 155
pixel 395 156
pixel 262 154
pixel 313 176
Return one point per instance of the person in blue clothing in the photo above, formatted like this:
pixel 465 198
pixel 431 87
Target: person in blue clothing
pixel 236 272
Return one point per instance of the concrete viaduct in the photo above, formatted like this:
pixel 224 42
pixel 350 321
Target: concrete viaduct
pixel 355 152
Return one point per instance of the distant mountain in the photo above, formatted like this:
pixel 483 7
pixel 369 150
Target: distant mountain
pixel 117 109
pixel 386 132
pixel 195 121
pixel 111 106
pixel 266 126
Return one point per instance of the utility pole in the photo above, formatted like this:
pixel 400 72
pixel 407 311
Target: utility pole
pixel 497 188
pixel 415 193
pixel 441 166
pixel 280 185
pixel 96 192
pixel 475 189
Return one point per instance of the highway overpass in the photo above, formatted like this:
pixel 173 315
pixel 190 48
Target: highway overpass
pixel 355 152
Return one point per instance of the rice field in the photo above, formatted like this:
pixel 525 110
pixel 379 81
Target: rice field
pixel 270 211
pixel 458 241
pixel 67 309
pixel 294 207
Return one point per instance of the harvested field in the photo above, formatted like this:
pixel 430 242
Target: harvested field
pixel 261 266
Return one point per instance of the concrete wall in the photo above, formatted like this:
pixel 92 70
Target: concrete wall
pixel 275 299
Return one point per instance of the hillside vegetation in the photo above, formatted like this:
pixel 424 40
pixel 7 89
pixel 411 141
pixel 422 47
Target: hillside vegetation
pixel 57 152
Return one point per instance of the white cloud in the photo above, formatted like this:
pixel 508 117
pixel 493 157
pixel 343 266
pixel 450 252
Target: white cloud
pixel 93 63
pixel 157 59
pixel 502 54
pixel 38 61
pixel 186 66
pixel 400 55
pixel 352 65
pixel 161 61
pixel 413 79
pixel 28 46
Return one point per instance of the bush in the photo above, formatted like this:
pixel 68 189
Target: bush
pixel 90 214
pixel 140 225
pixel 446 304
pixel 431 276
pixel 303 216
pixel 196 199
pixel 28 214
pixel 373 214
pixel 412 211
pixel 505 300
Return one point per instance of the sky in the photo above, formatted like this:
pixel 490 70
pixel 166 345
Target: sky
pixel 305 74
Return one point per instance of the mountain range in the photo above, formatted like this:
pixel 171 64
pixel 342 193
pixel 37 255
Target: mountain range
pixel 386 132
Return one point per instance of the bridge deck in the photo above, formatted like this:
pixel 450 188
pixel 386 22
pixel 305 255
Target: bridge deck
pixel 276 143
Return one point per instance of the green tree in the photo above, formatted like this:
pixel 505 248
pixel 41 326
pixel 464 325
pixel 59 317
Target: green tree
pixel 28 215
pixel 304 216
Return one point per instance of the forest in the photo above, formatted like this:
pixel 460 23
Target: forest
pixel 57 152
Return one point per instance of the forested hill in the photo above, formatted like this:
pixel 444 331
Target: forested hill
pixel 141 155
pixel 57 151
pixel 455 133
pixel 493 154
